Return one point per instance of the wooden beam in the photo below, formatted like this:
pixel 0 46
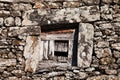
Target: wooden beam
pixel 68 36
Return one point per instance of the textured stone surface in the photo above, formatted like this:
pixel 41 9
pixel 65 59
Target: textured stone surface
pixel 111 71
pixel 104 77
pixel 1 21
pixel 7 62
pixel 116 46
pixel 20 22
pixel 69 15
pixel 32 53
pixel 106 52
pixel 9 21
pixel 85 44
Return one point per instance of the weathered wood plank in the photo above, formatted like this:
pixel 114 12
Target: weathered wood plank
pixel 45 50
pixel 67 36
pixel 61 46
pixel 51 49
pixel 85 44
pixel 70 50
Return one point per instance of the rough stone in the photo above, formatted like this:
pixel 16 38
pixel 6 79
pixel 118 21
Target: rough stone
pixel 107 60
pixel 116 54
pixel 85 44
pixel 53 16
pixel 103 44
pixel 71 4
pixel 90 2
pixel 106 52
pixel 116 46
pixel 6 74
pixel 111 71
pixel 106 12
pixel 107 1
pixel 7 62
pixel 82 75
pixel 18 21
pixel 31 53
pixel 22 6
pixel 104 77
pixel 4 13
pixel 11 55
pixel 13 78
pixel 98 34
pixel 18 73
pixel 118 60
pixel 1 21
pixel 90 69
pixel 24 31
pixel 9 21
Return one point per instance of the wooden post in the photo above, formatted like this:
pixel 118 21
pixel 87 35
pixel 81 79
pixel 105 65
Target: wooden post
pixel 51 49
pixel 70 50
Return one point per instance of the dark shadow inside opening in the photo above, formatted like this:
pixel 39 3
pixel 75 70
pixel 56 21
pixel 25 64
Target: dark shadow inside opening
pixel 62 54
pixel 75 48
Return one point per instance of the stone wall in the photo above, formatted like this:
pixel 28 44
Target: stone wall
pixel 20 26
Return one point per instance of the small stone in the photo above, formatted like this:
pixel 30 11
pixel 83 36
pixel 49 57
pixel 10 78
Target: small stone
pixel 9 21
pixel 25 6
pixel 10 68
pixel 6 74
pixel 83 75
pixel 97 72
pixel 118 60
pixel 116 1
pixel 4 13
pixel 18 21
pixel 111 71
pixel 116 46
pixel 13 78
pixel 106 13
pixel 16 13
pixel 39 5
pixel 7 62
pixel 71 4
pixel 91 2
pixel 108 32
pixel 22 7
pixel 97 34
pixel 114 66
pixel 54 5
pixel 104 77
pixel 107 60
pixel 18 73
pixel 107 1
pixel 116 54
pixel 106 52
pixel 1 21
pixel 105 26
pixel 11 55
pixel 103 44
pixel 103 67
pixel 90 69
pixel 76 71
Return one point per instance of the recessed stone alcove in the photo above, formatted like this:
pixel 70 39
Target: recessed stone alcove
pixel 64 45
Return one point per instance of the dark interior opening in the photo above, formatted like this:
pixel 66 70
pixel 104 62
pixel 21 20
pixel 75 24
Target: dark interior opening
pixel 56 27
pixel 62 54
pixel 61 48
